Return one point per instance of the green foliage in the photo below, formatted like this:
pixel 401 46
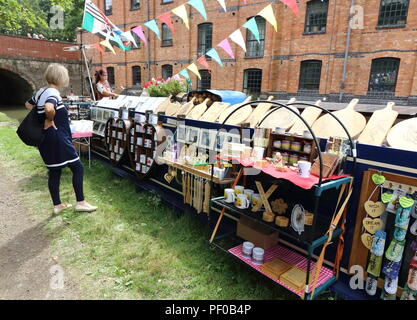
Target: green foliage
pixel 161 88
pixel 20 17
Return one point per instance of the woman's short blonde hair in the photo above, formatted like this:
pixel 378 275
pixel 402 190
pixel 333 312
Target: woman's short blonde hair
pixel 57 74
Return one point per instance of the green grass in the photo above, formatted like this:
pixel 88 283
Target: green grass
pixel 133 247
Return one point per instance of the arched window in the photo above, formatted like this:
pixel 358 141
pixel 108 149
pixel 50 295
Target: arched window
pixel 255 49
pixel 166 36
pixel 136 76
pixel 393 12
pixel 384 74
pixel 252 81
pixel 316 16
pixel 205 82
pixel 166 71
pixel 205 34
pixel 310 72
pixel 110 76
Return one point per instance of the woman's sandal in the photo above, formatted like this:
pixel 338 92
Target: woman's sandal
pixel 64 207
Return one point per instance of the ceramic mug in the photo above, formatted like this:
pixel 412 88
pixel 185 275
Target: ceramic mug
pixel 248 193
pixel 242 202
pixel 304 168
pixel 239 190
pixel 229 195
pixel 256 198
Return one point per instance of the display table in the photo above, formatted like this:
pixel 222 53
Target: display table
pixel 83 139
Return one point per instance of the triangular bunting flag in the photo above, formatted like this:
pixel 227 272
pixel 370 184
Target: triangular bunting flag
pixel 91 24
pixel 202 60
pixel 176 77
pixel 225 45
pixel 268 14
pixel 181 12
pixel 238 39
pixel 128 36
pixel 107 44
pixel 199 6
pixel 98 47
pixel 154 27
pixel 117 39
pixel 213 54
pixel 138 30
pixel 223 4
pixel 184 73
pixel 166 18
pixel 193 68
pixel 292 4
pixel 253 27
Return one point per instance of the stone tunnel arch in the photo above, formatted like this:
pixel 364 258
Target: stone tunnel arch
pixel 15 88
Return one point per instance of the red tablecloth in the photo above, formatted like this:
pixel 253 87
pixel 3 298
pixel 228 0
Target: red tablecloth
pixel 290 175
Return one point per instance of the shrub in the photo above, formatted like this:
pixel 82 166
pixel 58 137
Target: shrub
pixel 164 88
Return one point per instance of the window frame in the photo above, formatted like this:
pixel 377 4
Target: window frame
pixel 200 82
pixel 397 25
pixel 302 81
pixel 207 44
pixel 133 8
pixel 166 42
pixel 373 71
pixel 250 38
pixel 245 75
pixel 307 26
pixel 133 76
pixel 111 76
pixel 162 71
pixel 108 12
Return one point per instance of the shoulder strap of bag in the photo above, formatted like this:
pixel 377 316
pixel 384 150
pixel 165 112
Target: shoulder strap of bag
pixel 37 100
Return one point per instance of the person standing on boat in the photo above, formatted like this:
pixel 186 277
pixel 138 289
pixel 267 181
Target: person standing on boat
pixel 103 86
pixel 57 150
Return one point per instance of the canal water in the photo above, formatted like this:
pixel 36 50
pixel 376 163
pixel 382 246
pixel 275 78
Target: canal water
pixel 15 112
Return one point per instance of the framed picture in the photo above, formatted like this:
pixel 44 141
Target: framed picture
pixel 181 131
pixel 192 135
pixel 207 138
pixel 226 137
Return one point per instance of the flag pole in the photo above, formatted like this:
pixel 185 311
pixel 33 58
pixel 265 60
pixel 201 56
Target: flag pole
pixel 88 72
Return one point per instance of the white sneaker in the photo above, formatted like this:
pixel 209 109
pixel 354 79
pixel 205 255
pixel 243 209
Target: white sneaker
pixel 58 210
pixel 85 208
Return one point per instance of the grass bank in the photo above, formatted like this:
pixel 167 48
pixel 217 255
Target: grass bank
pixel 133 247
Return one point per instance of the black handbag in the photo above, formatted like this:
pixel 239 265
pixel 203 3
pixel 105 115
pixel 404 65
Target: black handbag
pixel 30 130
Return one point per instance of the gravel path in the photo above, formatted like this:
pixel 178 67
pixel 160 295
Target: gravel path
pixel 27 269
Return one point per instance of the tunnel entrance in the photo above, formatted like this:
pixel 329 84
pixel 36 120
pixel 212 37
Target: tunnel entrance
pixel 14 90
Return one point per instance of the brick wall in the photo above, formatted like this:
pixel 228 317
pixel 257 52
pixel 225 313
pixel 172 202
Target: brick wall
pixel 284 50
pixel 44 49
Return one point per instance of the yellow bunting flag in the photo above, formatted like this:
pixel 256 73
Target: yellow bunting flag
pixel 106 43
pixel 268 14
pixel 193 68
pixel 181 12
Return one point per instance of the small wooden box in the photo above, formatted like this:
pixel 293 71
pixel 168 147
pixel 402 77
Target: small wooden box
pixel 275 268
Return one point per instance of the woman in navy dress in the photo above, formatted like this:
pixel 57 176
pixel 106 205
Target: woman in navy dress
pixel 57 150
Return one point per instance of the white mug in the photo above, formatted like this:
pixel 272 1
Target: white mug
pixel 248 193
pixel 242 202
pixel 229 195
pixel 258 153
pixel 304 168
pixel 239 190
pixel 256 198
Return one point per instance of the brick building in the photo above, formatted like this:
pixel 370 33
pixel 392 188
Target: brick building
pixel 305 58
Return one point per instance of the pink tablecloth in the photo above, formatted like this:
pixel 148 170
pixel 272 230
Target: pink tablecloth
pixel 76 135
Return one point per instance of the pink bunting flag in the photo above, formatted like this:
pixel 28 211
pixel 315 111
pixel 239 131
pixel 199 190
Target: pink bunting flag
pixel 166 18
pixel 292 4
pixel 203 61
pixel 98 47
pixel 225 45
pixel 138 30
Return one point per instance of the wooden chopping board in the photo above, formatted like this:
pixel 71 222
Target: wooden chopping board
pixel 404 135
pixel 163 105
pixel 379 125
pixel 310 114
pixel 172 108
pixel 258 113
pixel 282 118
pixel 198 110
pixel 213 113
pixel 245 110
pixel 326 126
pixel 185 108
